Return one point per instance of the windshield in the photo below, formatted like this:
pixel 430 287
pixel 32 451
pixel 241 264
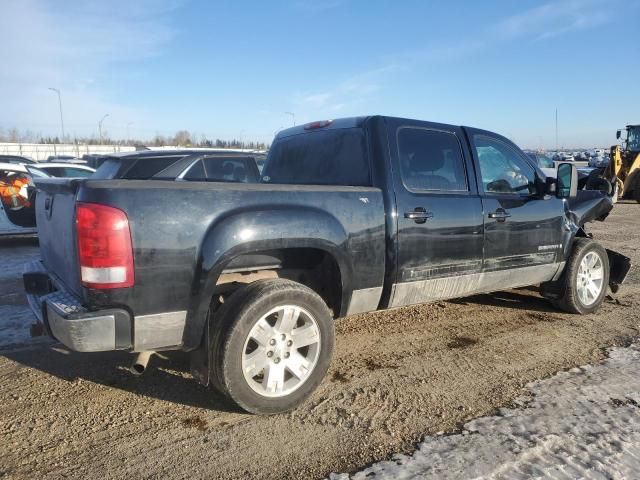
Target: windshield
pixel 633 139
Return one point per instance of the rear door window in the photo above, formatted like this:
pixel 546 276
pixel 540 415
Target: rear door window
pixel 77 172
pixel 108 169
pixel 220 169
pixel 431 160
pixel 55 171
pixel 326 157
pixel 147 167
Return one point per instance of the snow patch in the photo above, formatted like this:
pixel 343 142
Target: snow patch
pixel 584 423
pixel 15 325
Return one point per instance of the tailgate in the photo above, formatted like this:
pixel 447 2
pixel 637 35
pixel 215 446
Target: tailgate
pixel 55 217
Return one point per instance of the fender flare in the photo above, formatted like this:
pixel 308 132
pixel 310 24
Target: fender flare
pixel 253 231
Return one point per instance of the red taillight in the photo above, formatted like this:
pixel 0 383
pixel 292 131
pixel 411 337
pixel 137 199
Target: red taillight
pixel 104 246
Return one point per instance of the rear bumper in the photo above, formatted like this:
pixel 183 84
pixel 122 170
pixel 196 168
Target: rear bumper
pixel 89 331
pixel 82 330
pixel 69 322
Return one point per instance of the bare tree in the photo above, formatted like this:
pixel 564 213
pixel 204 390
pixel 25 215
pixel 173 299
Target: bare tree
pixel 182 138
pixel 13 135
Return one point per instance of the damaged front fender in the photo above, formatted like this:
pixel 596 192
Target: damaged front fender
pixel 589 205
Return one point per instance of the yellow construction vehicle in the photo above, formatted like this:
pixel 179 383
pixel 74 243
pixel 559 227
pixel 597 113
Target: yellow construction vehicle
pixel 621 177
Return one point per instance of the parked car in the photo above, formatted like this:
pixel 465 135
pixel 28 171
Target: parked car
pixel 542 160
pixel 65 170
pixel 351 215
pixel 17 194
pixel 94 160
pixel 65 159
pixel 598 161
pixel 19 159
pixel 181 165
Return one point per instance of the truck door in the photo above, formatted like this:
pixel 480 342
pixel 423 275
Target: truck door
pixel 439 213
pixel 522 227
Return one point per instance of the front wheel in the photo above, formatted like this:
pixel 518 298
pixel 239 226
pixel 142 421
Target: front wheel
pixel 272 345
pixel 586 278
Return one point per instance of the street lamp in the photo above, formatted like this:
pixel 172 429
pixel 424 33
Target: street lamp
pixel 128 125
pixel 100 127
pixel 59 105
pixel 293 117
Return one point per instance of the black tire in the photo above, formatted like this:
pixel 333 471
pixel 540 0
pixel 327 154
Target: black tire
pixel 570 300
pixel 232 326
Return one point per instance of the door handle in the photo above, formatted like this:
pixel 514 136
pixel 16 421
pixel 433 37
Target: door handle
pixel 418 215
pixel 500 215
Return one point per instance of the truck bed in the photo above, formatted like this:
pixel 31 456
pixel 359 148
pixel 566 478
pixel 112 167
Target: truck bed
pixel 182 230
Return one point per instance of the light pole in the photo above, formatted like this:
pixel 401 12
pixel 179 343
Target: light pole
pixel 293 117
pixel 556 130
pixel 100 127
pixel 128 125
pixel 59 105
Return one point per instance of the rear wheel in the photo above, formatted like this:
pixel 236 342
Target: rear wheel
pixel 272 346
pixel 586 278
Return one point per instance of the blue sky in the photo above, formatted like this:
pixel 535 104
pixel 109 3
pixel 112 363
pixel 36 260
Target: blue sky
pixel 232 69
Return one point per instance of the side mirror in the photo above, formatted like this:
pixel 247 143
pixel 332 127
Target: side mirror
pixel 618 134
pixel 567 181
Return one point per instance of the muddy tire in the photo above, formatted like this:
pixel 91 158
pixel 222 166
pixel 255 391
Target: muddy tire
pixel 272 346
pixel 586 278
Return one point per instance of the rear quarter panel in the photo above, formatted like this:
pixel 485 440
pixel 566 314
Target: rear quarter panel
pixel 183 234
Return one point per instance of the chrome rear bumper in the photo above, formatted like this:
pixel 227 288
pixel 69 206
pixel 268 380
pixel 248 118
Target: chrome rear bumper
pixel 82 330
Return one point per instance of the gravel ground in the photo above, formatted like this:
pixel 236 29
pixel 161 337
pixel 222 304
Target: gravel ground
pixel 396 376
pixel 583 423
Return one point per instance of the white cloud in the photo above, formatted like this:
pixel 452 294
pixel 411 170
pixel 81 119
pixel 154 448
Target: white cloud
pixel 557 18
pixel 317 99
pixel 72 46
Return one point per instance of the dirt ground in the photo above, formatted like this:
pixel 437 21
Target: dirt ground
pixel 395 377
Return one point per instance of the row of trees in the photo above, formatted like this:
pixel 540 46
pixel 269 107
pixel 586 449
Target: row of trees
pixel 182 138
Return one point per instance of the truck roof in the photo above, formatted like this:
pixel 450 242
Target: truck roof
pixel 347 122
pixel 180 152
pixel 337 123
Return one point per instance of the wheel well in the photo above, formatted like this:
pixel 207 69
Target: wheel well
pixel 314 268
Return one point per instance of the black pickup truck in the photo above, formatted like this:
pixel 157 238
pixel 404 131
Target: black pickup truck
pixel 348 216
